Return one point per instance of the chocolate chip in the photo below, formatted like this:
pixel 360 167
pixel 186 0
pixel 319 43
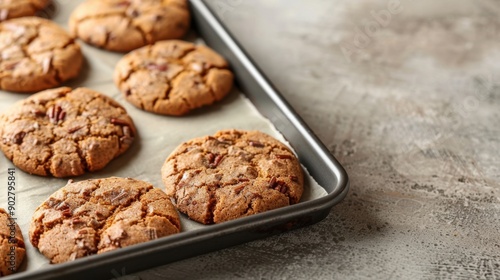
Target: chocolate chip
pixel 18 138
pixel 61 115
pixel 256 144
pixel 217 161
pixel 67 212
pixel 283 156
pixel 38 113
pixel 56 114
pixel 210 158
pixel 272 182
pixel 238 189
pixel 76 220
pixel 119 122
pixel 99 214
pixel 133 13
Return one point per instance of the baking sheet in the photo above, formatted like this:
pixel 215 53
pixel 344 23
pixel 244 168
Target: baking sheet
pixel 157 136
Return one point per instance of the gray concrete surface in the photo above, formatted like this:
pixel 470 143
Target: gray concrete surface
pixel 406 96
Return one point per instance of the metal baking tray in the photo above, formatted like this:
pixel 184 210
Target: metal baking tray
pixel 322 166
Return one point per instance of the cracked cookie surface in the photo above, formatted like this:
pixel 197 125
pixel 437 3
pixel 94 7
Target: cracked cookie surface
pixel 20 8
pixel 36 54
pixel 65 132
pixel 12 248
pixel 173 77
pixel 100 215
pixel 232 174
pixel 124 25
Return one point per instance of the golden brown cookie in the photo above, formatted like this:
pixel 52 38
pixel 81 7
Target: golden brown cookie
pixel 20 8
pixel 100 215
pixel 232 174
pixel 173 77
pixel 124 25
pixel 36 54
pixel 65 132
pixel 12 247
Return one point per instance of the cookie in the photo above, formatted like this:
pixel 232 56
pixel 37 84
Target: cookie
pixel 232 174
pixel 12 247
pixel 124 25
pixel 173 77
pixel 100 215
pixel 20 8
pixel 65 132
pixel 36 54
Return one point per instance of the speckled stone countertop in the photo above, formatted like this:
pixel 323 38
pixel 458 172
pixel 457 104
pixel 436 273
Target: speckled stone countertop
pixel 406 95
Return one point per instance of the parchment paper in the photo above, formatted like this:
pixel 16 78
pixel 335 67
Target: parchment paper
pixel 157 136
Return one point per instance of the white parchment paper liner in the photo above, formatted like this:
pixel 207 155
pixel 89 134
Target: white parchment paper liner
pixel 157 136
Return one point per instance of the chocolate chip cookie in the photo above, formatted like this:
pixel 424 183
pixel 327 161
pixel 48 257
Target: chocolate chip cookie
pixel 20 8
pixel 65 132
pixel 232 174
pixel 173 77
pixel 100 215
pixel 124 25
pixel 36 54
pixel 12 247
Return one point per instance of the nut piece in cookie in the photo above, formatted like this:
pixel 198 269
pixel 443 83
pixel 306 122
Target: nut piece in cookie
pixel 125 25
pixel 232 174
pixel 12 247
pixel 20 8
pixel 100 215
pixel 36 54
pixel 173 77
pixel 65 132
